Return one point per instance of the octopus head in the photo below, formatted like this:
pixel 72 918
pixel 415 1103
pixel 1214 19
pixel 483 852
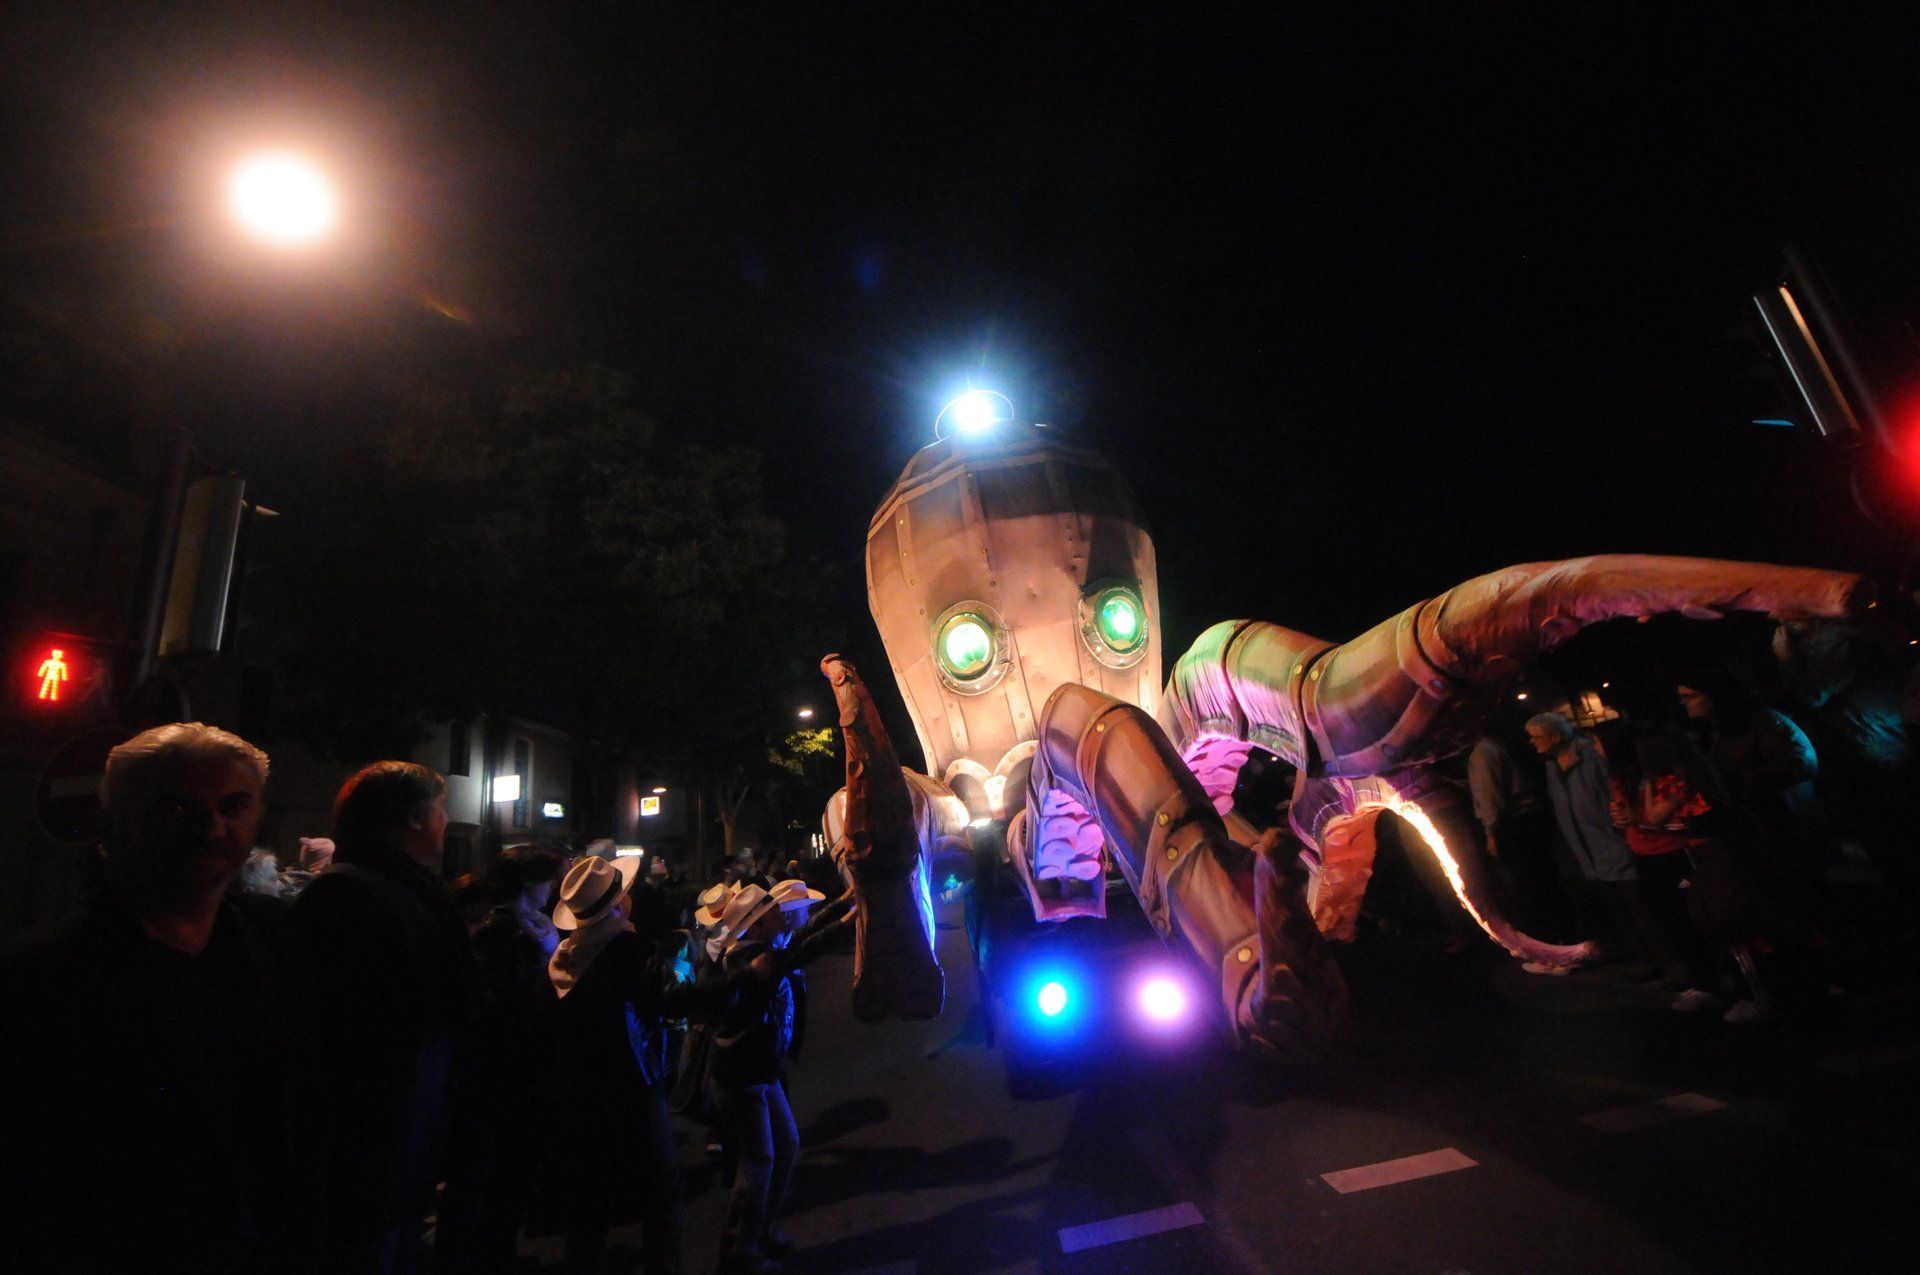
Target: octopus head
pixel 1000 566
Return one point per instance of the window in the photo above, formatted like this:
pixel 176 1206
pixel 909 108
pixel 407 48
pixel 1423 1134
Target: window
pixel 459 747
pixel 523 767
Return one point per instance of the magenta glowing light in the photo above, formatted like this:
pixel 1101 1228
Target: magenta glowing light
pixel 1162 999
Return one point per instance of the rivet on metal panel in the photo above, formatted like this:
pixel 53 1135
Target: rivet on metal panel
pixel 1298 669
pixel 1099 728
pixel 1163 819
pixel 1244 955
pixel 1315 675
pixel 1173 852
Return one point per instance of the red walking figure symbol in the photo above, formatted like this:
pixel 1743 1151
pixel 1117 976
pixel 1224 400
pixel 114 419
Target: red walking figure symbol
pixel 53 671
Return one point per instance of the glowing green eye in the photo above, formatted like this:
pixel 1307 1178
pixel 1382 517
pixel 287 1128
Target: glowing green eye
pixel 1119 620
pixel 966 646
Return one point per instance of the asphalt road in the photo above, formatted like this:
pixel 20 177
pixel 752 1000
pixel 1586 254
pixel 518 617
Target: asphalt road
pixel 1564 1124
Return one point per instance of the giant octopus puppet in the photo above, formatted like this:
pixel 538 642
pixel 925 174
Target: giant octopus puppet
pixel 1012 579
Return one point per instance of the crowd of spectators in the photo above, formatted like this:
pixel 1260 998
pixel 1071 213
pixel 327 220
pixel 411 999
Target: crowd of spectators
pixel 235 1068
pixel 1696 845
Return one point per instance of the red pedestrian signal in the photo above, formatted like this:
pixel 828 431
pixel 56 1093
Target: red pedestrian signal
pixel 60 675
pixel 53 673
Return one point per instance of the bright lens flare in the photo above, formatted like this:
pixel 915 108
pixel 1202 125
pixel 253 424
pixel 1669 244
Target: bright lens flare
pixel 1052 999
pixel 283 200
pixel 1162 999
pixel 976 411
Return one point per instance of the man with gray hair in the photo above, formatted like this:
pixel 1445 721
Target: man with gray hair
pixel 169 1069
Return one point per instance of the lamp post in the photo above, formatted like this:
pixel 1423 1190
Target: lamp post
pixel 281 200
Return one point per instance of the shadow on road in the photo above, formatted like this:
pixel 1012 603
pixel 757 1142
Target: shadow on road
pixel 832 1174
pixel 843 1118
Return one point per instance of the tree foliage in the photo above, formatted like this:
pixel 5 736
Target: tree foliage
pixel 544 547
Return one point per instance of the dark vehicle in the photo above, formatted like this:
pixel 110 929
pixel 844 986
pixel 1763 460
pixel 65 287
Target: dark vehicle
pixel 1059 995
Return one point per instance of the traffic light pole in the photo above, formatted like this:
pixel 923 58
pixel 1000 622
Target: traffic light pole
pixel 164 529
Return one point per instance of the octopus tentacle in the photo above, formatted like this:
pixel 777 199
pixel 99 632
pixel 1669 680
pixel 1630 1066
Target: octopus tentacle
pixel 1420 686
pixel 1241 915
pixel 895 974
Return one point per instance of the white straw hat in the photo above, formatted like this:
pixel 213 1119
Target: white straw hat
pixel 795 893
pixel 713 902
pixel 592 887
pixel 748 905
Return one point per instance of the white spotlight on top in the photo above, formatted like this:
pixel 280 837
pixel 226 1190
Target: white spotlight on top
pixel 974 413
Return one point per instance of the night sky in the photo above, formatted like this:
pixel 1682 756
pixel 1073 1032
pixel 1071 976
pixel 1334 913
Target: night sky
pixel 1364 305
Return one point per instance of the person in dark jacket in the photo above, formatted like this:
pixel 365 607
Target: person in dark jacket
pixel 399 989
pixel 752 1043
pixel 167 1110
pixel 505 1102
pixel 652 909
pixel 1765 761
pixel 616 986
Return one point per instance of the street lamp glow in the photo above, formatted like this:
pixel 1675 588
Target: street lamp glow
pixel 805 713
pixel 283 200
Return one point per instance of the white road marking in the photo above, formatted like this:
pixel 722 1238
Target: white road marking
pixel 1389 1172
pixel 1645 1115
pixel 1235 1252
pixel 1130 1226
pixel 1866 1060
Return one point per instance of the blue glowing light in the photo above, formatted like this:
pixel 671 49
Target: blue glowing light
pixel 1774 421
pixel 1052 1000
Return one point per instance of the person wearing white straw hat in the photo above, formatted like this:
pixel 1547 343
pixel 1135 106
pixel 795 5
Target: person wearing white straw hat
pixel 752 1042
pixel 692 1087
pixel 706 916
pixel 616 986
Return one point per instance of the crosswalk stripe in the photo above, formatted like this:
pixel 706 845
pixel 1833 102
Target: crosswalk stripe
pixel 1406 1169
pixel 1645 1115
pixel 1130 1226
